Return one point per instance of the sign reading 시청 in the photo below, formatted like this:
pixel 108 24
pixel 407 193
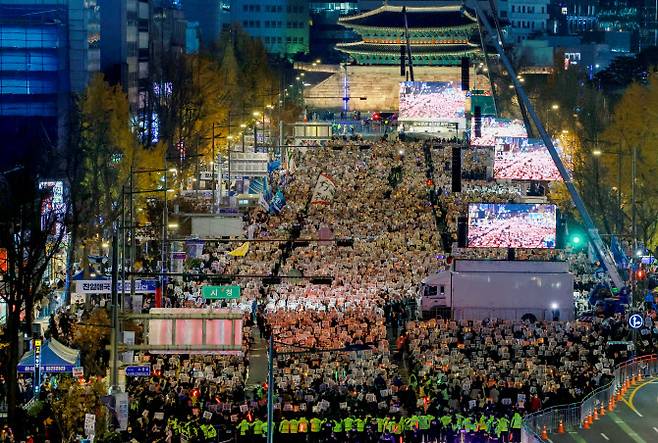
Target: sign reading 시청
pixel 220 292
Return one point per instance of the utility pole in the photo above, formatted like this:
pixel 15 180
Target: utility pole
pixel 114 374
pixel 270 389
pixel 214 161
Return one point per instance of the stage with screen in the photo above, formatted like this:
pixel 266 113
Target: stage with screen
pixel 511 225
pixel 517 158
pixel 493 127
pixel 432 103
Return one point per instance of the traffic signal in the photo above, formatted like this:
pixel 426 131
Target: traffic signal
pixel 577 241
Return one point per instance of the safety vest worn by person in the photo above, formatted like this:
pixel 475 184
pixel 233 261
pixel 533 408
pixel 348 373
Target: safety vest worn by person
pixel 284 427
pixel 502 426
pixel 265 426
pixel 316 424
pixel 457 423
pixel 258 426
pixel 467 424
pixel 348 423
pixel 490 423
pixel 381 424
pixel 399 427
pixel 294 426
pixel 424 421
pixel 360 424
pixel 338 426
pixel 446 420
pixel 517 421
pixel 243 427
pixel 412 423
pixel 302 426
pixel 482 423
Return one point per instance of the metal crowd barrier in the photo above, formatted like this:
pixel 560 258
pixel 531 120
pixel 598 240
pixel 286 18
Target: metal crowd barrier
pixel 573 416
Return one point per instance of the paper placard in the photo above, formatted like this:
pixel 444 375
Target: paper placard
pixel 207 415
pixel 244 408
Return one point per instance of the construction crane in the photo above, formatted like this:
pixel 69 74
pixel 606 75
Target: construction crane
pixel 600 248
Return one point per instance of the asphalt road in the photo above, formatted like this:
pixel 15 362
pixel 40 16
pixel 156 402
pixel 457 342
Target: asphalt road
pixel 634 420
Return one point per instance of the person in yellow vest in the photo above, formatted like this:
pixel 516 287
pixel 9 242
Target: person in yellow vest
pixel 516 423
pixel 265 428
pixel 315 426
pixel 243 429
pixel 284 427
pixel 294 427
pixel 302 428
pixel 258 429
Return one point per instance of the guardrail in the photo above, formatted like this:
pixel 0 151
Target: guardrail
pixel 579 415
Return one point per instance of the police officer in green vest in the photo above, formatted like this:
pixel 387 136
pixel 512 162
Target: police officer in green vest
pixel 316 427
pixel 258 429
pixel 338 429
pixel 243 429
pixel 502 429
pixel 284 427
pixel 424 425
pixel 302 428
pixel 265 427
pixel 382 423
pixel 446 426
pixel 516 424
pixel 294 427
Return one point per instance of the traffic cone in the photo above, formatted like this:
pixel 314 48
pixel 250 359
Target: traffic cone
pixel 618 394
pixel 596 414
pixel 560 427
pixel 544 434
pixel 586 422
pixel 611 404
pixel 639 376
pixel 602 411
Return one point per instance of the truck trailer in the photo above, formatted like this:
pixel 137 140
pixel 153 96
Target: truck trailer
pixel 502 289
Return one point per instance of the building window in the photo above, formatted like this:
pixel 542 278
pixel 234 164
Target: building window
pixel 245 8
pixel 245 23
pixel 279 24
pixel 279 40
pixel 279 8
pixel 513 8
pixel 257 23
pixel 288 39
pixel 257 7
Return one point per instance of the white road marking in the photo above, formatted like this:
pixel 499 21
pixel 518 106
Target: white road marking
pixel 604 436
pixel 655 429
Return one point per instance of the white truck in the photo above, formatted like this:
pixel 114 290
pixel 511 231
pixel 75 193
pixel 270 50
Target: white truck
pixel 478 289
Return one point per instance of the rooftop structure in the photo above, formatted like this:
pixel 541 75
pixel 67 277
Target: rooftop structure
pixel 438 35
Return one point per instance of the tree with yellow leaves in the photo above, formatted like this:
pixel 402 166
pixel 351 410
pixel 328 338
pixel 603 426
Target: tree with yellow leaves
pixel 632 139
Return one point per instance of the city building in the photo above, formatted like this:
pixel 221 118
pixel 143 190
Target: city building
pixel 282 25
pixel 438 35
pixel 524 18
pixel 209 15
pixel 326 32
pixel 125 46
pixel 48 50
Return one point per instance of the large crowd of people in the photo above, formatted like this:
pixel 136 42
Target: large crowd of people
pixel 354 361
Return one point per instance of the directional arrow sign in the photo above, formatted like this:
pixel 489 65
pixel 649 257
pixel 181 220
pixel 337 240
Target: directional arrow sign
pixel 220 292
pixel 636 321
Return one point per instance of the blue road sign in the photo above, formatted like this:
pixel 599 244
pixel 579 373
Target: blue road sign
pixel 138 371
pixel 636 321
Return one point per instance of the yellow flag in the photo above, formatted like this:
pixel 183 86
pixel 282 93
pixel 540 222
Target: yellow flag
pixel 240 251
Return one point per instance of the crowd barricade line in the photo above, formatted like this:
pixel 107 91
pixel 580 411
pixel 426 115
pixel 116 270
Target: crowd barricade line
pixel 581 415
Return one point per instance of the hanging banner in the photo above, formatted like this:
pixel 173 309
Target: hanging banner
pixel 324 191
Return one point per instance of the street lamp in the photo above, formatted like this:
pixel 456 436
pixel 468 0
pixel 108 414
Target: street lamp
pixel 555 106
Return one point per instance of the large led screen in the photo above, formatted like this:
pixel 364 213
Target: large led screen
pixel 431 101
pixel 493 127
pixel 511 225
pixel 523 159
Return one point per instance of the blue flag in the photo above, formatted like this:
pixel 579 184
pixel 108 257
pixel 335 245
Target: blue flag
pixel 278 202
pixel 273 166
pixel 618 253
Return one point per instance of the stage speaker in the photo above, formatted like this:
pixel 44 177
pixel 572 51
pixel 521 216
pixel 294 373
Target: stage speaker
pixel 403 58
pixel 462 231
pixel 456 169
pixel 477 124
pixel 561 231
pixel 466 64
